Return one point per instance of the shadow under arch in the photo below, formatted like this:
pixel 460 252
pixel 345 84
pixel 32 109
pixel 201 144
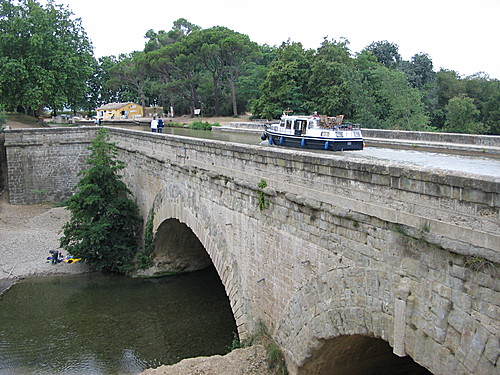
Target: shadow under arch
pixel 175 211
pixel 336 317
pixel 359 355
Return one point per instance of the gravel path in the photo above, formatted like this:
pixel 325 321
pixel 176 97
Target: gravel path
pixel 27 233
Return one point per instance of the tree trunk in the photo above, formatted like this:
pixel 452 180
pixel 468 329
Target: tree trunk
pixel 40 111
pixel 216 96
pixel 233 93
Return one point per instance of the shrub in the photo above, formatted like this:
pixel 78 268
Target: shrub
pixel 202 125
pixel 105 222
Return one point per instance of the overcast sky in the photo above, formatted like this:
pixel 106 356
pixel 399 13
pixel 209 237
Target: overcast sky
pixel 458 35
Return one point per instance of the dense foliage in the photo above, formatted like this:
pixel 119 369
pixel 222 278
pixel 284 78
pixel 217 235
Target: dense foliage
pixel 105 222
pixel 45 58
pixel 223 73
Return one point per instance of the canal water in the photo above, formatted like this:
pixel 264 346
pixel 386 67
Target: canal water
pixel 477 165
pixel 108 324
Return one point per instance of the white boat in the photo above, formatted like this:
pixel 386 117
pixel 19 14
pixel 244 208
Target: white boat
pixel 317 132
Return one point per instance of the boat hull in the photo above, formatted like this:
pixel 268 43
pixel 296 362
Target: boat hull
pixel 315 143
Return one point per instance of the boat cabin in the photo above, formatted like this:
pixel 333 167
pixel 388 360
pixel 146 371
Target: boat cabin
pixel 299 125
pixel 315 132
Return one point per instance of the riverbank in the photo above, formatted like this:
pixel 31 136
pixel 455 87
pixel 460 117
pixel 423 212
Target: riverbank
pixel 29 232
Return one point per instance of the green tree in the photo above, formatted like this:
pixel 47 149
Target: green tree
pixel 45 55
pixel 237 51
pixel 224 54
pixel 131 73
pixel 181 28
pixel 327 89
pixel 178 72
pixel 492 113
pixel 383 98
pixel 419 71
pixel 385 52
pixel 3 118
pixel 286 82
pixel 405 110
pixel 462 116
pixel 105 223
pixel 485 93
pixel 368 107
pixel 98 93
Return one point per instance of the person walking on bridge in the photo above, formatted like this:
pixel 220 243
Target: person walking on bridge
pixel 154 124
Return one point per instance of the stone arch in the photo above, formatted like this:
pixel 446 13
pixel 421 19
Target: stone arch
pixel 176 203
pixel 358 355
pixel 345 306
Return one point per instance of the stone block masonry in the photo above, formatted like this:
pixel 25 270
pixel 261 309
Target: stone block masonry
pixel 345 249
pixel 43 164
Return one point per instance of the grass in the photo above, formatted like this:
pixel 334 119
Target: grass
pixel 275 357
pixel 480 264
pixel 262 197
pixel 25 119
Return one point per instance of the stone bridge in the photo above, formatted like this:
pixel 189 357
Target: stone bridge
pixel 340 259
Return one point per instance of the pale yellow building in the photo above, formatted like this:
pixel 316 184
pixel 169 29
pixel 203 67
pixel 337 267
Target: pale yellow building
pixel 120 111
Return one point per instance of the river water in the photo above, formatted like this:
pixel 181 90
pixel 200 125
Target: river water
pixel 108 324
pixel 479 165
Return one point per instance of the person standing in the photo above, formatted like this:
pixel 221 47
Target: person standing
pixel 160 125
pixel 154 124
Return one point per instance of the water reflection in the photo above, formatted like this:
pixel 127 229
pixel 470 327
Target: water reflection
pixel 102 324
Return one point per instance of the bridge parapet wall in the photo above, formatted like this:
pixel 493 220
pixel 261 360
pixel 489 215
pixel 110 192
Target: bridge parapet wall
pixel 445 207
pixel 465 139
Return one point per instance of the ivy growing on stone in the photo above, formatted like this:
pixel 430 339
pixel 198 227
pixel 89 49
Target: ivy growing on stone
pixel 263 198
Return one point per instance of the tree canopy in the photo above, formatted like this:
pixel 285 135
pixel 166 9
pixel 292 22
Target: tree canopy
pixel 46 61
pixel 45 56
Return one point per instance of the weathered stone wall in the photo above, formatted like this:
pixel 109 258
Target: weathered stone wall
pixel 466 139
pixel 344 248
pixel 43 164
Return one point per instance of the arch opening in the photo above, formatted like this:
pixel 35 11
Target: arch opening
pixel 177 249
pixel 359 355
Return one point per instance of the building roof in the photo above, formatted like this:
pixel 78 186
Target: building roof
pixel 114 106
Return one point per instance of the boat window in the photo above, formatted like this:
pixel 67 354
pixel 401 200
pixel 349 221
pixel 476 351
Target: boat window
pixel 282 123
pixel 339 134
pixel 288 124
pixel 299 124
pixel 325 134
